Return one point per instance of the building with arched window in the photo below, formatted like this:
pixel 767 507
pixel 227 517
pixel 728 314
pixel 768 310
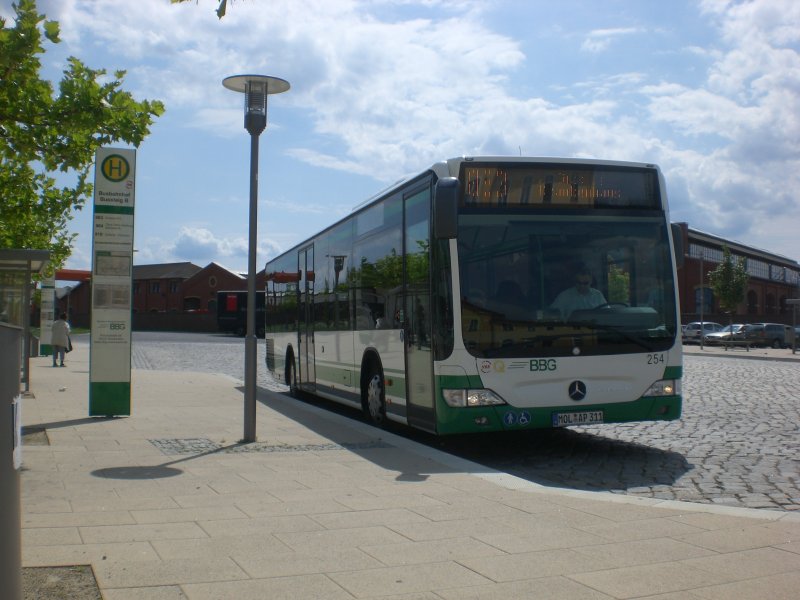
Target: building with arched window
pixel 773 279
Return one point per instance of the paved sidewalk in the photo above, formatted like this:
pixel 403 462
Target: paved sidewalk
pixel 166 504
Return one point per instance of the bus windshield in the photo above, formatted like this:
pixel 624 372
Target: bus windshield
pixel 568 284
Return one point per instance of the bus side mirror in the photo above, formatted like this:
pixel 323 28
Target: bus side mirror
pixel 677 244
pixel 445 209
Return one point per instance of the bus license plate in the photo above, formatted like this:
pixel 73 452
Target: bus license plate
pixel 589 417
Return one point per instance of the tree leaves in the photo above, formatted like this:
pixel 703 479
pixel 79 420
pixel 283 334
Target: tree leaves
pixel 729 281
pixel 48 141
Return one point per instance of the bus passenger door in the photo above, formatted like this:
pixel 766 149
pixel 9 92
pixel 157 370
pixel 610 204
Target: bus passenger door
pixel 306 374
pixel 418 349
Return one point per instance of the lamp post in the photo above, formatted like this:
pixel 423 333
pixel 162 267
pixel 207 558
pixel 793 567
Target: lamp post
pixel 255 88
pixel 702 295
pixel 793 302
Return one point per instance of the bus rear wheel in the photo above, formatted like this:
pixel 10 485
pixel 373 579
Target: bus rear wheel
pixel 374 397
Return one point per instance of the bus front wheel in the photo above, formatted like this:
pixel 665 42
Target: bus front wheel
pixel 374 397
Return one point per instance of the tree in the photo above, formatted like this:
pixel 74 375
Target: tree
pixel 619 285
pixel 729 282
pixel 46 136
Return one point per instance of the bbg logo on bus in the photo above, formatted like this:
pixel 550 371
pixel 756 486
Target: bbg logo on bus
pixel 543 364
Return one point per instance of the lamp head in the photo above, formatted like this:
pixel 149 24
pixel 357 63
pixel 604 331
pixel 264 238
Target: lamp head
pixel 256 88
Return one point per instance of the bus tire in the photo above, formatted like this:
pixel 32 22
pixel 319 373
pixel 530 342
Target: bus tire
pixel 291 376
pixel 374 396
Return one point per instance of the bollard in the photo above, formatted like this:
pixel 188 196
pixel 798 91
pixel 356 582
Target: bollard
pixel 10 448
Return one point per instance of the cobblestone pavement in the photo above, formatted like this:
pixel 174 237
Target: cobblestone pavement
pixel 737 443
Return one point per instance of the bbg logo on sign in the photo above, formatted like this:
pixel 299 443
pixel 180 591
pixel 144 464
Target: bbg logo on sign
pixel 116 326
pixel 115 168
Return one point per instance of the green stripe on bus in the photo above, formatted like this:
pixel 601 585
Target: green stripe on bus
pixel 506 418
pixel 339 374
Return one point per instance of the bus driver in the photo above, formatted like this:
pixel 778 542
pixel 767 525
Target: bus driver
pixel 580 296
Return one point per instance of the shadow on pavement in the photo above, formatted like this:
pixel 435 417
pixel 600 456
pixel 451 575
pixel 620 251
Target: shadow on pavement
pixel 559 457
pixel 161 471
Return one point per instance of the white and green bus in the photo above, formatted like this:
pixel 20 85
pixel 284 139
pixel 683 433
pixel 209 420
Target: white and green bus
pixel 433 304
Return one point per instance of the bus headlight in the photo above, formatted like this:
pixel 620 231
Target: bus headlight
pixel 462 398
pixel 664 387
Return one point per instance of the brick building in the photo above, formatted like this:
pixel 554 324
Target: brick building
pixel 157 288
pixel 171 296
pixel 773 279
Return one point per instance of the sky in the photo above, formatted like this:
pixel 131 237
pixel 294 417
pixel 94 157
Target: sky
pixel 707 89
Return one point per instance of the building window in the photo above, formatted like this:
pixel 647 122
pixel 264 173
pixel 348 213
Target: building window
pixel 777 273
pixel 698 252
pixel 155 287
pixel 173 286
pixel 770 304
pixel 757 268
pixel 191 303
pixel 212 282
pixel 752 302
pixel 707 300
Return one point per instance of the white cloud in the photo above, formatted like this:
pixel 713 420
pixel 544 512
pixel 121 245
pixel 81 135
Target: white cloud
pixel 202 246
pixel 599 40
pixel 388 95
pixel 747 113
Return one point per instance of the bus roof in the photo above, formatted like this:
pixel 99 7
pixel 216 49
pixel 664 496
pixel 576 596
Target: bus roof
pixel 451 166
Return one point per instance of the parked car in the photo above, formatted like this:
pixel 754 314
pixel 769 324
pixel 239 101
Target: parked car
pixel 775 335
pixel 729 333
pixel 691 335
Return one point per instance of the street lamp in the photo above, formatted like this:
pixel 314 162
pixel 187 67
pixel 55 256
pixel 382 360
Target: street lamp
pixel 255 88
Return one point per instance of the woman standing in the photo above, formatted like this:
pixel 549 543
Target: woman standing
pixel 60 338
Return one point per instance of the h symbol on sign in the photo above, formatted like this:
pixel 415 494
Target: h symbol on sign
pixel 114 167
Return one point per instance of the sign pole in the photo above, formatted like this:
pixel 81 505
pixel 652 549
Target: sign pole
pixel 47 315
pixel 112 282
